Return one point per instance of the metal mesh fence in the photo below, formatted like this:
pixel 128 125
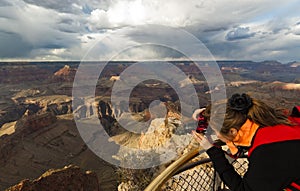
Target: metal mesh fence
pixel 202 177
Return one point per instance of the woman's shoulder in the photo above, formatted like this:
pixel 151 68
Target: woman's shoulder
pixel 274 134
pixel 279 132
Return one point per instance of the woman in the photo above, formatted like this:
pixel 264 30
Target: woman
pixel 270 136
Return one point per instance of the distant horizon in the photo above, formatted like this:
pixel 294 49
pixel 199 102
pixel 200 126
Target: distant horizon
pixel 79 61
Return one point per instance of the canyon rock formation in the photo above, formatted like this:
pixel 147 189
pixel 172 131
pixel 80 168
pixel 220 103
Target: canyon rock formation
pixel 68 178
pixel 38 131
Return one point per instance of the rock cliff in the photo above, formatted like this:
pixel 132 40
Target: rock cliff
pixel 65 74
pixel 41 143
pixel 68 178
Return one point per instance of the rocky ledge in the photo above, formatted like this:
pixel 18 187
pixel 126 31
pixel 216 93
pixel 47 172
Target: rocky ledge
pixel 68 178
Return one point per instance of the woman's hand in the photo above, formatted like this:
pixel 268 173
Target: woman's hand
pixel 202 140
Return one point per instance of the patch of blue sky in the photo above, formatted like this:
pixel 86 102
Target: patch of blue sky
pixel 287 10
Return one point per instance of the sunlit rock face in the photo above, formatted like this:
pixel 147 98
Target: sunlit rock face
pixel 65 74
pixel 14 108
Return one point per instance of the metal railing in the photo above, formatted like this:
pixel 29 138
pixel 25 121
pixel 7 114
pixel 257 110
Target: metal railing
pixel 191 176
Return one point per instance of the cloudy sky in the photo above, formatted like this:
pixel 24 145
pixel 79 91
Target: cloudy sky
pixel 230 29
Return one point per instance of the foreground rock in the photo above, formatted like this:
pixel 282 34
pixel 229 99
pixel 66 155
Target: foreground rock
pixel 37 143
pixel 67 178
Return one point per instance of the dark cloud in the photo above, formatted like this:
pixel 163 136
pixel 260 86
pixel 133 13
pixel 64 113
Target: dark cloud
pixel 7 12
pixel 223 49
pixel 239 33
pixel 216 29
pixel 60 6
pixel 154 51
pixel 13 46
pixel 68 21
pixel 278 25
pixel 70 25
pixel 71 6
pixel 3 16
pixel 296 29
pixel 173 43
pixel 26 31
pixel 297 32
pixel 4 3
pixel 52 46
pixel 61 40
pixel 68 28
pixel 207 36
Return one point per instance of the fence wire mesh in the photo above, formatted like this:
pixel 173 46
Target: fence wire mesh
pixel 202 177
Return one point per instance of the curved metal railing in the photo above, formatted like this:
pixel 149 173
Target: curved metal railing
pixel 191 176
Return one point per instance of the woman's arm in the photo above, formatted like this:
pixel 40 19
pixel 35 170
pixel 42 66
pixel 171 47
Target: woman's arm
pixel 269 168
pixel 226 171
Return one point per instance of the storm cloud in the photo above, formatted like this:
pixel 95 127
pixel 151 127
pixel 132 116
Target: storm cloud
pixel 15 46
pixel 66 30
pixel 239 33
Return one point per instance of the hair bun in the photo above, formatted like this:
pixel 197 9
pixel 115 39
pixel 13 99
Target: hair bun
pixel 240 103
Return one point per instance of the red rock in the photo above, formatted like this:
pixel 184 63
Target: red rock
pixel 65 74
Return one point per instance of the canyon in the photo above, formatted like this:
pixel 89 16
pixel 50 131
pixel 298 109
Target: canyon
pixel 38 118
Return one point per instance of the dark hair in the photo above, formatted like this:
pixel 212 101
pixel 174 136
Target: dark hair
pixel 240 103
pixel 239 108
